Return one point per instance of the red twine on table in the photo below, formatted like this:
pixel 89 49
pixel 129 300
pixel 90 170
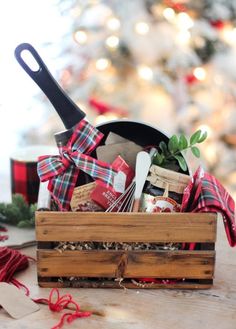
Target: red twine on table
pixel 60 303
pixel 12 261
pixel 3 238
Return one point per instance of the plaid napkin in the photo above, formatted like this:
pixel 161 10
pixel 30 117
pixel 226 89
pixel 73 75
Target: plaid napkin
pixel 206 194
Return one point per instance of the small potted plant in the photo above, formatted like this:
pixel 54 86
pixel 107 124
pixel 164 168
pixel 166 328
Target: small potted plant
pixel 168 175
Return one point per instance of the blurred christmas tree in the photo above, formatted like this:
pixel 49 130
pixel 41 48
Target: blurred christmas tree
pixel 169 63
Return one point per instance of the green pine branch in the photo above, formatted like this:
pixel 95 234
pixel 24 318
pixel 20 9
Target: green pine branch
pixel 18 212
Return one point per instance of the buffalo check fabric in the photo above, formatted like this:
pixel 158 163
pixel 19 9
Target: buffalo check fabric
pixel 25 180
pixel 206 194
pixel 62 170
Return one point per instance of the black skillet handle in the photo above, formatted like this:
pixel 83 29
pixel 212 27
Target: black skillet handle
pixel 68 111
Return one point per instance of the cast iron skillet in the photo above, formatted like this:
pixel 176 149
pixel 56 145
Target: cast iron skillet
pixel 71 114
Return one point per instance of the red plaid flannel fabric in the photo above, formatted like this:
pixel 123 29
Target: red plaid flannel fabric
pixel 206 194
pixel 25 180
pixel 62 171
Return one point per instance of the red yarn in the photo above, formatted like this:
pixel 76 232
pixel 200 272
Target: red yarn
pixel 12 261
pixel 3 238
pixel 61 303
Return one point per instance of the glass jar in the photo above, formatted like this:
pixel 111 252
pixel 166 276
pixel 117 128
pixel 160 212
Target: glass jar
pixel 163 190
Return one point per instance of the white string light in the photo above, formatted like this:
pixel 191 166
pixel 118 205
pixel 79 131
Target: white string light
pixel 112 42
pixel 145 72
pixel 184 21
pixel 169 14
pixel 183 37
pixel 142 28
pixel 113 24
pixel 81 37
pixel 229 35
pixel 199 73
pixel 102 64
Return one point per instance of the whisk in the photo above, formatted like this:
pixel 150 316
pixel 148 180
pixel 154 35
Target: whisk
pixel 129 200
pixel 124 203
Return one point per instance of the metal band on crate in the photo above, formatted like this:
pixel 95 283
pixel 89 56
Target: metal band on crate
pixel 62 170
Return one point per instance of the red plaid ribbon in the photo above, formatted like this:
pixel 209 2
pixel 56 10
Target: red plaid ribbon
pixel 62 170
pixel 206 194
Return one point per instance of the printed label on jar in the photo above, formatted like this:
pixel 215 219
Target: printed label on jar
pixel 152 203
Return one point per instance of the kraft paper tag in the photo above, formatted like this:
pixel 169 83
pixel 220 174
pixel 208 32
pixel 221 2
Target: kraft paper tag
pixel 113 138
pixel 128 151
pixel 81 200
pixel 15 302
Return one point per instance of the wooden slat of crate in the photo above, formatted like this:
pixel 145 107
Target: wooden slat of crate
pixel 128 227
pixel 196 265
pixel 126 264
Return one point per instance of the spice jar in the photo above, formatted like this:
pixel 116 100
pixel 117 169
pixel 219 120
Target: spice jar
pixel 163 190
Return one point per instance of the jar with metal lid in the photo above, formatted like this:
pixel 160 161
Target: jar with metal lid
pixel 163 190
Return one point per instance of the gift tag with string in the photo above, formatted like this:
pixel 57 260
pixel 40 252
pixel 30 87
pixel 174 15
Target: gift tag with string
pixel 15 302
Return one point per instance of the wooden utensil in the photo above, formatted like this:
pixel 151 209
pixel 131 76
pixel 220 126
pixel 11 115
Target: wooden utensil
pixel 143 163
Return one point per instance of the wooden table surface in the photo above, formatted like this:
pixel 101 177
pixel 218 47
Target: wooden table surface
pixel 146 309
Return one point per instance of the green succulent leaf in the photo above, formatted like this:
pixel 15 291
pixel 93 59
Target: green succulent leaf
pixel 181 162
pixel 163 148
pixel 173 144
pixel 158 159
pixel 203 137
pixel 195 150
pixel 169 155
pixel 195 137
pixel 183 143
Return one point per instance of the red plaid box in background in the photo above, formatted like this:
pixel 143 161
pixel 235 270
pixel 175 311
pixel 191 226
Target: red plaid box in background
pixel 24 177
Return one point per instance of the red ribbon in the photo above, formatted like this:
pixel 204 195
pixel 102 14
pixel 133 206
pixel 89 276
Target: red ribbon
pixel 62 170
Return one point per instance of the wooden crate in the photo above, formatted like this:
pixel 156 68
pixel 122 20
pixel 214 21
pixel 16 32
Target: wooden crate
pixel 99 268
